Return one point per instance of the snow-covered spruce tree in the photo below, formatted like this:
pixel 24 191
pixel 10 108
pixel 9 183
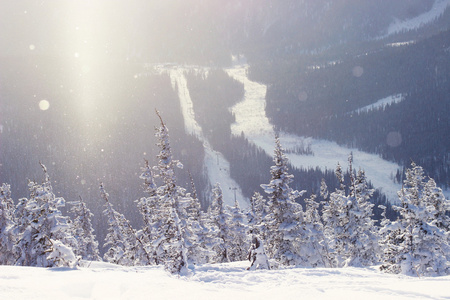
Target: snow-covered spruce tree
pixel 284 217
pixel 23 232
pixel 42 222
pixel 414 244
pixel 438 207
pixel 82 230
pixel 240 242
pixel 169 243
pixel 364 247
pixel 255 215
pixel 350 229
pixel 119 240
pixel 7 237
pixel 315 249
pixel 334 217
pixel 220 220
pixel 197 234
pixel 149 208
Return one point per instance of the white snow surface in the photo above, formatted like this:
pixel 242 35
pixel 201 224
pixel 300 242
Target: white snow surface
pixel 98 280
pixel 251 119
pixel 216 166
pixel 382 103
pixel 435 12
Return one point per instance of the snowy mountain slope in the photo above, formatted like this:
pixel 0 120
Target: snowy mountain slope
pixel 219 281
pixel 382 103
pixel 435 12
pixel 252 121
pixel 216 166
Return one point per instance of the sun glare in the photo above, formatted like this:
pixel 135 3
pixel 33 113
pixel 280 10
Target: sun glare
pixel 88 27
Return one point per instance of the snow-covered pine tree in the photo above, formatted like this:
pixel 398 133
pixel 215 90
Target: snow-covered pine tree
pixel 415 245
pixel 363 249
pixel 255 215
pixel 82 230
pixel 240 242
pixel 7 237
pixel 334 220
pixel 315 249
pixel 42 222
pixel 199 248
pixel 23 232
pixel 149 208
pixel 220 220
pixel 438 208
pixel 169 243
pixel 284 215
pixel 119 240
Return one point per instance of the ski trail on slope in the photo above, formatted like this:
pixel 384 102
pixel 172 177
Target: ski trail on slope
pixel 435 12
pixel 251 119
pixel 216 165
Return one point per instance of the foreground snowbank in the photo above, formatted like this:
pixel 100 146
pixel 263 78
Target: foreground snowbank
pixel 221 281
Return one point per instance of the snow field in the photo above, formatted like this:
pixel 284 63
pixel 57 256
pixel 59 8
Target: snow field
pixel 220 281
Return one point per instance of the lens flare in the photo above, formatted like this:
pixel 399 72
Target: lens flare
pixel 44 105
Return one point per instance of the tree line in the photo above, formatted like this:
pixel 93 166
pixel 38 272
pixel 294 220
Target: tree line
pixel 176 233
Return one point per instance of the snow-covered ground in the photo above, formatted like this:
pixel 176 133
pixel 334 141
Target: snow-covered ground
pixel 220 281
pixel 435 12
pixel 252 120
pixel 216 166
pixel 382 103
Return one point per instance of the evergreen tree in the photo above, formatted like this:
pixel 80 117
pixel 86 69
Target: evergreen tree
pixel 149 208
pixel 284 215
pixel 438 207
pixel 335 219
pixel 199 248
pixel 363 248
pixel 315 247
pixel 220 220
pixel 239 242
pixel 169 243
pixel 119 242
pixel 23 231
pixel 255 215
pixel 415 244
pixel 350 229
pixel 42 222
pixel 7 237
pixel 82 230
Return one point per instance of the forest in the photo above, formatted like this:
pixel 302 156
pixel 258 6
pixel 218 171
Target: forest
pixel 323 102
pixel 276 230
